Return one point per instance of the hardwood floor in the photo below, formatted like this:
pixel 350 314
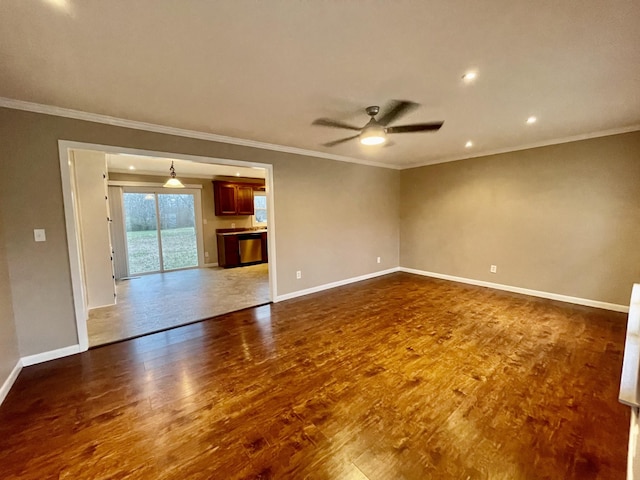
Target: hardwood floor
pixel 155 302
pixel 399 377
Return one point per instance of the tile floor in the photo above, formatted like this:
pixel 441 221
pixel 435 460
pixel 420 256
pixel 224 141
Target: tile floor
pixel 158 301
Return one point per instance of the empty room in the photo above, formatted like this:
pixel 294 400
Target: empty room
pixel 448 196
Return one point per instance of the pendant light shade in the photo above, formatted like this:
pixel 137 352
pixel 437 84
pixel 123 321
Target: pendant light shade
pixel 173 182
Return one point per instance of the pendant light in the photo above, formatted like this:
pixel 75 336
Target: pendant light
pixel 173 182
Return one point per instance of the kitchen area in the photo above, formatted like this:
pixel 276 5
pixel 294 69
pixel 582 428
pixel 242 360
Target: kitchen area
pixel 241 246
pixel 215 224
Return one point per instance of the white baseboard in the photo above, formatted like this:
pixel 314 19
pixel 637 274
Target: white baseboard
pixel 525 291
pixel 327 286
pixel 50 355
pixel 8 383
pixel 210 265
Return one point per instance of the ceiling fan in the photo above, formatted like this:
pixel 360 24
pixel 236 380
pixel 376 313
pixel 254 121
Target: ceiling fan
pixel 376 130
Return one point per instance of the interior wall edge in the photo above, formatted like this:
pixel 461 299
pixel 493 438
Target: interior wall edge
pixel 525 291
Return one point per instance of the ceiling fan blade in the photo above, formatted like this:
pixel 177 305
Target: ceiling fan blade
pixel 327 122
pixel 342 140
pixel 395 110
pixel 418 127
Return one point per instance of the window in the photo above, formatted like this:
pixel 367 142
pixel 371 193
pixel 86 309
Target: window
pixel 260 209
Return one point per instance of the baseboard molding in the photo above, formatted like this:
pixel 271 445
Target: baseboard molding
pixel 206 265
pixel 525 291
pixel 8 383
pixel 327 286
pixel 50 355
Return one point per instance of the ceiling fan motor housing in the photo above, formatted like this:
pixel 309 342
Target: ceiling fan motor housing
pixel 373 110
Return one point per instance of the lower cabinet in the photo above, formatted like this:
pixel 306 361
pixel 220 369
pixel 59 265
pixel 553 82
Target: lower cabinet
pixel 228 251
pixel 232 247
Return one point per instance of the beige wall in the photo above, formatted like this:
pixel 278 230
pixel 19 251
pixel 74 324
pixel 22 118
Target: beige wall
pixel 343 216
pixel 208 212
pixel 332 218
pixel 563 219
pixel 9 352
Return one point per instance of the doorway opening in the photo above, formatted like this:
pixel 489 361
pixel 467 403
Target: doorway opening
pixel 144 257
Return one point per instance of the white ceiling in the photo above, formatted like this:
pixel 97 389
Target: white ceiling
pixel 264 70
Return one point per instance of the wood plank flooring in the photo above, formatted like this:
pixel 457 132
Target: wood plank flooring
pixel 150 303
pixel 399 377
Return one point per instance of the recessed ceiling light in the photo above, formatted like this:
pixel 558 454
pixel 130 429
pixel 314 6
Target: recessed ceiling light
pixel 61 4
pixel 531 120
pixel 469 144
pixel 470 76
pixel 131 167
pixel 237 174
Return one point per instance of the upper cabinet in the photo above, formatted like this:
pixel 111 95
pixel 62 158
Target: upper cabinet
pixel 233 198
pixel 245 200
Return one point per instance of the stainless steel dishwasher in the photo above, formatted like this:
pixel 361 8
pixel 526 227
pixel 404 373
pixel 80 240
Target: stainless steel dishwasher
pixel 250 247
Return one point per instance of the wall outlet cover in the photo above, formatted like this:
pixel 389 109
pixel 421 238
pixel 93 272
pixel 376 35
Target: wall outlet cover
pixel 39 235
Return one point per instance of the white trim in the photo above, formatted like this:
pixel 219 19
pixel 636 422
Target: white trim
pixel 525 291
pixel 206 265
pixel 271 232
pixel 633 443
pixel 50 355
pixel 543 143
pixel 75 264
pixel 127 183
pixel 327 286
pixel 8 383
pixel 180 132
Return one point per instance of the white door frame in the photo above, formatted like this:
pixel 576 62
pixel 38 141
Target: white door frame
pixel 70 215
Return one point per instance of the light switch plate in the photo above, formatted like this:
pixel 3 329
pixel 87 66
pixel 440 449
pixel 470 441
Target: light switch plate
pixel 39 235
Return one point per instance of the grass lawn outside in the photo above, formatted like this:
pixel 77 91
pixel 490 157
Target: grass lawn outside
pixel 179 249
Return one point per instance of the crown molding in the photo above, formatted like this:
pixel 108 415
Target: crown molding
pixel 544 143
pixel 180 132
pixel 212 137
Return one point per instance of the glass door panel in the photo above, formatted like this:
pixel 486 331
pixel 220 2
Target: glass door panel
pixel 178 230
pixel 142 232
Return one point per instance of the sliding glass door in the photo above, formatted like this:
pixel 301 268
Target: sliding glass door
pixel 178 230
pixel 161 230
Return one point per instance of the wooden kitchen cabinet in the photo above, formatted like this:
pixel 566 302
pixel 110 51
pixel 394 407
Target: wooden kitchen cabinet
pixel 244 205
pixel 233 198
pixel 228 252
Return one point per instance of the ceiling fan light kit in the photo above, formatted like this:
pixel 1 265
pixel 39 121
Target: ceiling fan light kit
pixel 373 134
pixel 376 130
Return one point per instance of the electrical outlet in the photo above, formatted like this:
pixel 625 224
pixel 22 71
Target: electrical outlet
pixel 378 260
pixel 233 225
pixel 39 235
pixel 204 221
pixel 493 269
pixel 206 254
pixel 298 274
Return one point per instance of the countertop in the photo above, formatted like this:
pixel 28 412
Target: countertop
pixel 243 232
